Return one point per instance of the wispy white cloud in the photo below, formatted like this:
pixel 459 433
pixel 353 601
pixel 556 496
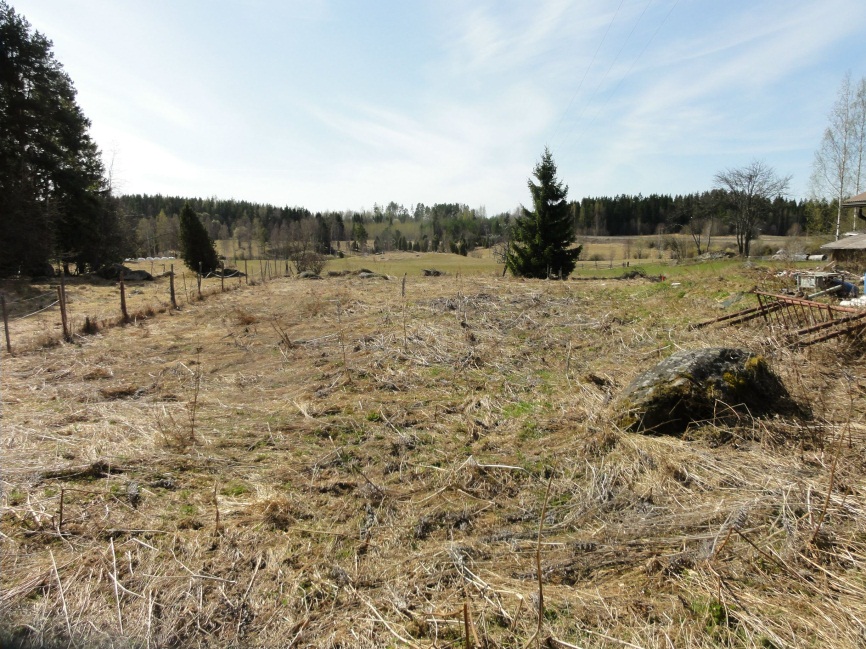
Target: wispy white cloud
pixel 741 88
pixel 322 104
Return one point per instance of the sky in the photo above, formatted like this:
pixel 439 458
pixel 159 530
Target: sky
pixel 343 104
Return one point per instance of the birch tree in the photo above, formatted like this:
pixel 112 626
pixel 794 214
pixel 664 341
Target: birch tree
pixel 837 170
pixel 859 140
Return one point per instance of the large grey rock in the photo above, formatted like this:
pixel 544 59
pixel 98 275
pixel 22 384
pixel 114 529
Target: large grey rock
pixel 113 271
pixel 704 385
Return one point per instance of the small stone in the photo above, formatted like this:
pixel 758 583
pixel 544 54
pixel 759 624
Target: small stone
pixel 133 493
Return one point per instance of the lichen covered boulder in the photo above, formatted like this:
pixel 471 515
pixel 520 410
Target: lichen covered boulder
pixel 699 386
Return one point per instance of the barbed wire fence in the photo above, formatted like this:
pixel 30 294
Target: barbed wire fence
pixel 59 300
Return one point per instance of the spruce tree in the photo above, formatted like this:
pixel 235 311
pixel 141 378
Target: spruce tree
pixel 55 201
pixel 196 246
pixel 541 240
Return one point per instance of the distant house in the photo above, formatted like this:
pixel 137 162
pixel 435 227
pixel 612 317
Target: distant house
pixel 857 203
pixel 849 251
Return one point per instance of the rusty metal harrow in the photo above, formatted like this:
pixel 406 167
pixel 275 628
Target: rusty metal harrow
pixel 801 322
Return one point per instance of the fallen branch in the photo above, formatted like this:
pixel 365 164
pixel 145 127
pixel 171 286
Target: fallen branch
pixel 200 576
pixel 388 625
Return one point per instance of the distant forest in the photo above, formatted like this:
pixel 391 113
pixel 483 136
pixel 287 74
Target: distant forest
pixel 446 227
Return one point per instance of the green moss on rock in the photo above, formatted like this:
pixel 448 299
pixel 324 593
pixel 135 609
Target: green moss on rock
pixel 700 386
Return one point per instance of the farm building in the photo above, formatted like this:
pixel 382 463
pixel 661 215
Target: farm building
pixel 848 251
pixel 857 203
pixel 851 250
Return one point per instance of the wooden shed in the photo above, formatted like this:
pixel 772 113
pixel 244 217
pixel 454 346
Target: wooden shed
pixel 850 252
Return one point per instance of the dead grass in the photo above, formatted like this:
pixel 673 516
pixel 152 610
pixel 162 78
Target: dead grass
pixel 309 479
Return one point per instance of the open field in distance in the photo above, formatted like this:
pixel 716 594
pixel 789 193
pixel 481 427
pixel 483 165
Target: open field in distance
pixel 598 252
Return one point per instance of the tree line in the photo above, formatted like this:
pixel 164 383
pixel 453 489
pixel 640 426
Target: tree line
pixel 626 215
pixel 450 227
pixel 442 227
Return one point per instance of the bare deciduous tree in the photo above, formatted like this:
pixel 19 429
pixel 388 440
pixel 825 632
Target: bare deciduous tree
pixel 677 246
pixel 302 248
pixel 859 138
pixel 749 191
pixel 696 228
pixel 837 170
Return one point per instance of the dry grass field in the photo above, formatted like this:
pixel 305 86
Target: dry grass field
pixel 371 463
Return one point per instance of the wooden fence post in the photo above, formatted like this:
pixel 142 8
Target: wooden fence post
pixel 222 277
pixel 246 274
pixel 67 331
pixel 123 311
pixel 171 288
pixel 6 323
pixel 61 298
pixel 60 304
pixel 60 513
pixel 199 280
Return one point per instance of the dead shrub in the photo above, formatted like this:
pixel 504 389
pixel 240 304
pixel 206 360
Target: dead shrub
pixel 244 318
pixel 277 513
pixel 98 373
pixel 90 327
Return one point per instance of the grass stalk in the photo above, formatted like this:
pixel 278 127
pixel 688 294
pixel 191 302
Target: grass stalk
pixel 62 595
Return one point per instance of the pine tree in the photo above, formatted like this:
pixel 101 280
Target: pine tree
pixel 541 240
pixel 54 198
pixel 196 246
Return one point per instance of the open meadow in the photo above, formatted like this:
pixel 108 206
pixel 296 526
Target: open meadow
pixel 418 461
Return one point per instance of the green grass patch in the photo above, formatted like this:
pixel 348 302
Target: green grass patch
pixel 518 409
pixel 235 489
pixel 530 430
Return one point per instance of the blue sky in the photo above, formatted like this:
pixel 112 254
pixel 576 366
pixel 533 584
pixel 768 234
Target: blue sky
pixel 335 105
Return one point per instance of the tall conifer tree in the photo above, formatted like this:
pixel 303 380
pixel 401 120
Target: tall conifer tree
pixel 196 246
pixel 541 240
pixel 54 197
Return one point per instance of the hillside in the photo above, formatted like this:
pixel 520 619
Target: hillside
pixel 334 464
